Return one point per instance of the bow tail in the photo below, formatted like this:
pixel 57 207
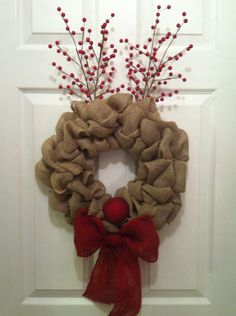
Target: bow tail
pixel 127 284
pixel 101 284
pixel 116 279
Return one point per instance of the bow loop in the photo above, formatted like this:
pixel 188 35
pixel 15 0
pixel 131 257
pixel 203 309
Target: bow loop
pixel 89 234
pixel 141 238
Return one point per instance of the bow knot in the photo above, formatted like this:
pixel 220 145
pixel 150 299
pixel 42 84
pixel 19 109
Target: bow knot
pixel 114 240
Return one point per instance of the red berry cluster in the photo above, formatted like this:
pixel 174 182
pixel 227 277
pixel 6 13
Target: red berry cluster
pixel 154 68
pixel 92 62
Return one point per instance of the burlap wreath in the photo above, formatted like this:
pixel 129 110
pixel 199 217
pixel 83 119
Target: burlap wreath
pixel 159 147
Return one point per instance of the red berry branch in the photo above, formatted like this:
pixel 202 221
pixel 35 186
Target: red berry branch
pixel 92 62
pixel 149 67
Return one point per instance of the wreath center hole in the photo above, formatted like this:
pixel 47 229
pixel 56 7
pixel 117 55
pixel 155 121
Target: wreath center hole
pixel 115 169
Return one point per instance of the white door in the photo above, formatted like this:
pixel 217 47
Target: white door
pixel 39 271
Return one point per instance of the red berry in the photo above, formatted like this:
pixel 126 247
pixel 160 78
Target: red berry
pixel 112 15
pixel 184 14
pixel 53 64
pixel 169 7
pixel 158 7
pixel 50 46
pixel 84 20
pixel 60 86
pixel 59 9
pixel 63 14
pixel 121 40
pixel 185 20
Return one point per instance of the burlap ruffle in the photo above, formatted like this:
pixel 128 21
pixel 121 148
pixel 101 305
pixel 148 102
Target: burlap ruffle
pixel 159 147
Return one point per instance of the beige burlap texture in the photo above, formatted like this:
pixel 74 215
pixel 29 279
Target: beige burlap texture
pixel 159 148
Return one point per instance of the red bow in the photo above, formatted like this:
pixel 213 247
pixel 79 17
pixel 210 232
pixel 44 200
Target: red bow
pixel 116 274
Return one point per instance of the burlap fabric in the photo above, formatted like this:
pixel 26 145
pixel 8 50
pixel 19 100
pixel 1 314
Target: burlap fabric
pixel 159 147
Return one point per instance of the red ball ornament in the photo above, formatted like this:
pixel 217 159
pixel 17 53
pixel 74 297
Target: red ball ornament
pixel 115 210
